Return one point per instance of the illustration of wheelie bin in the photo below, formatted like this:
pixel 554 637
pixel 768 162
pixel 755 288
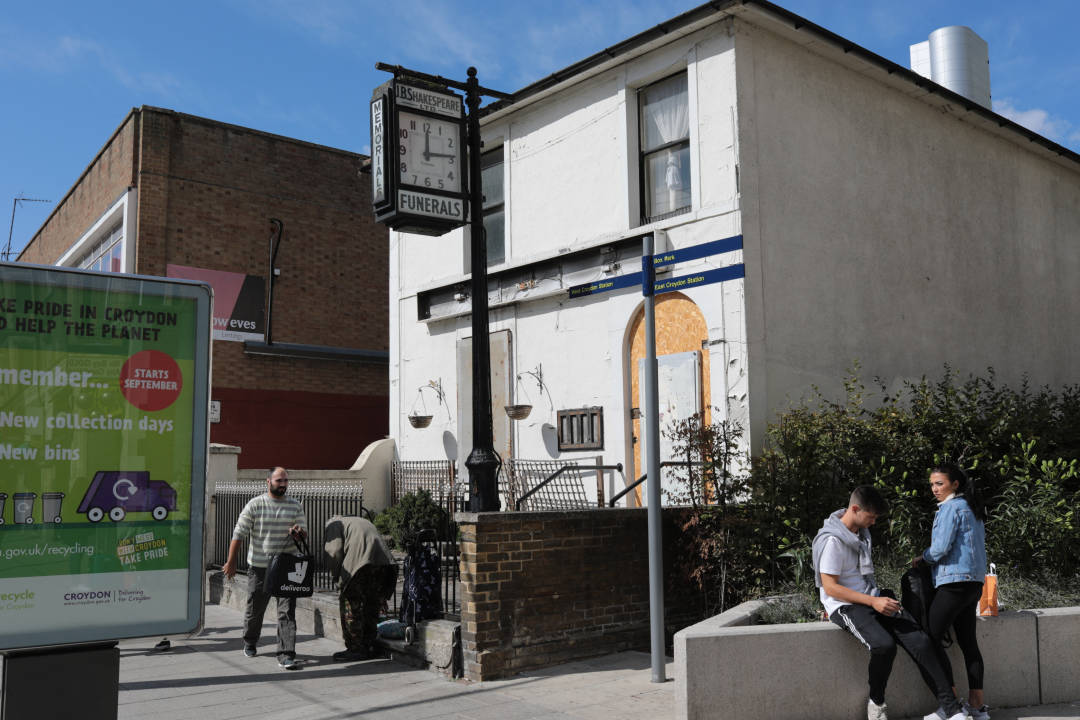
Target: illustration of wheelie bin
pixel 50 506
pixel 24 507
pixel 3 501
pixel 118 492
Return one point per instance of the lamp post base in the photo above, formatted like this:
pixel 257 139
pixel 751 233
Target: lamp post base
pixel 483 468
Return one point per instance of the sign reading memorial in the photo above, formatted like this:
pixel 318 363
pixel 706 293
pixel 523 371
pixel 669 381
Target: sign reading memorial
pixel 103 443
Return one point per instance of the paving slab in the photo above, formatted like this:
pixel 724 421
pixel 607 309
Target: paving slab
pixel 207 677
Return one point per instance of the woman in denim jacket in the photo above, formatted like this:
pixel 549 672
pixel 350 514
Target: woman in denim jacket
pixel 957 555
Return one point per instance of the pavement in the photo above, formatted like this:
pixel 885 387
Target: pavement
pixel 207 677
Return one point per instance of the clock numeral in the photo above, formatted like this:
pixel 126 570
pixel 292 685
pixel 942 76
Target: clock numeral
pixel 450 160
pixel 404 133
pixel 450 176
pixel 413 179
pixel 402 149
pixel 441 185
pixel 412 124
pixel 449 143
pixel 427 182
pixel 404 169
pixel 427 127
pixel 440 129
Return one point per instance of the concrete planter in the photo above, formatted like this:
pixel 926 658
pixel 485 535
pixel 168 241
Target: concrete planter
pixel 816 670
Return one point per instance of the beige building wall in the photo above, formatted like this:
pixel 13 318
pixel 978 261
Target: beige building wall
pixel 899 232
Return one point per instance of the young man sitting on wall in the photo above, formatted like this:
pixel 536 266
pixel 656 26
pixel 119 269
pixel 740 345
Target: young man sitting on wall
pixel 844 573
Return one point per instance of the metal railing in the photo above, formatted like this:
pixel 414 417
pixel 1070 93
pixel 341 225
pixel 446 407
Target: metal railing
pixel 321 501
pixel 573 494
pixel 439 479
pixel 666 463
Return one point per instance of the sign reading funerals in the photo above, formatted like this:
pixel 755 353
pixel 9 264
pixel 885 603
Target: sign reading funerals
pixel 418 158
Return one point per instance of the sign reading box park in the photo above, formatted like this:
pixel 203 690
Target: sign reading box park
pixel 104 382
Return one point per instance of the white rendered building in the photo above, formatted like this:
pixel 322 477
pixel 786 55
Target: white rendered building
pixel 883 219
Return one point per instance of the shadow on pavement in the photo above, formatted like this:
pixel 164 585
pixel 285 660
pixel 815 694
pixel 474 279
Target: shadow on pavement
pixel 277 675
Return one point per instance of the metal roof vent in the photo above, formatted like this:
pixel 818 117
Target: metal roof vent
pixel 956 58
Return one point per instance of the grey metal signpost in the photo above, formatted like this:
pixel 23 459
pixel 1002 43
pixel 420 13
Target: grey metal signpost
pixel 650 287
pixel 652 445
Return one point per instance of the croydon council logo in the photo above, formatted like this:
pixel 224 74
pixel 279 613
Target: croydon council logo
pixel 106 597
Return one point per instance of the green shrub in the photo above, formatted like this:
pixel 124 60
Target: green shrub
pixel 749 533
pixel 412 514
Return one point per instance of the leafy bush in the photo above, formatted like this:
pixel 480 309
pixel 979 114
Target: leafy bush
pixel 750 532
pixel 412 514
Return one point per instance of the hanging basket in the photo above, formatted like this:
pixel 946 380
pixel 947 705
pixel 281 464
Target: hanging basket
pixel 420 421
pixel 518 412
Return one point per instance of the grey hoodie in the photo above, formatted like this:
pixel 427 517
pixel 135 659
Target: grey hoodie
pixel 833 527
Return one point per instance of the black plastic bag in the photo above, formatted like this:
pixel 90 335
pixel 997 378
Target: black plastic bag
pixel 291 575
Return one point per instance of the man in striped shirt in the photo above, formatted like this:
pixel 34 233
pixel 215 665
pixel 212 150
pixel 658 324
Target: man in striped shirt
pixel 267 522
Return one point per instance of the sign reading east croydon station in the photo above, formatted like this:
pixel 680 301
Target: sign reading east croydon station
pixel 418 158
pixel 104 383
pixel 672 284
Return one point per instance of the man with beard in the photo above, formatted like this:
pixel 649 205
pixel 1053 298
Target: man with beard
pixel 268 522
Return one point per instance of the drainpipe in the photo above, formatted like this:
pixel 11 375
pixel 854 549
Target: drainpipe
pixel 274 247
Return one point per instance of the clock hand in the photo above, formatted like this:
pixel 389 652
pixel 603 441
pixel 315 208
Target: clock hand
pixel 427 144
pixel 431 155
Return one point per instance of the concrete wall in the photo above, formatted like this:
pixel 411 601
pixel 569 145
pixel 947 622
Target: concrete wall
pixel 894 229
pixel 543 588
pixel 571 182
pixel 727 662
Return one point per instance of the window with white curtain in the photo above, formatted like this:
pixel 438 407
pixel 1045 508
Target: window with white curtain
pixel 665 148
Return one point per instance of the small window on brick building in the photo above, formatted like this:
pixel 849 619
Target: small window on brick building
pixel 581 429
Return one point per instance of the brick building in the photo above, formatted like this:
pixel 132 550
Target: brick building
pixel 305 384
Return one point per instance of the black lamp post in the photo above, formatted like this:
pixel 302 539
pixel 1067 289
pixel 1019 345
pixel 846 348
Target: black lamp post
pixel 482 462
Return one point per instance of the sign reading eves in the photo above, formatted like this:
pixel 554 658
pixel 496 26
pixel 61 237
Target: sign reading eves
pixel 418 158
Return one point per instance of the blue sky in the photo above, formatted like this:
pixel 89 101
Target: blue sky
pixel 70 71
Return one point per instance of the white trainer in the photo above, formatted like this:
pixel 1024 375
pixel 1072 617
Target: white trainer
pixel 875 711
pixel 982 713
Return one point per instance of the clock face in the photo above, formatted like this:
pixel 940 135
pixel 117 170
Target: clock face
pixel 429 152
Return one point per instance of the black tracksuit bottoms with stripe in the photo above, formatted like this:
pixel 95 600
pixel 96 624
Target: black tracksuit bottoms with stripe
pixel 880 635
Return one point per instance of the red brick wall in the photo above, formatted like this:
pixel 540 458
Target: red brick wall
pixel 206 193
pixel 538 589
pixel 310 430
pixel 106 178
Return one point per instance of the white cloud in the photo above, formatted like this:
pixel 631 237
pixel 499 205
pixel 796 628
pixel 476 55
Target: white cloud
pixel 1056 128
pixel 331 21
pixel 70 54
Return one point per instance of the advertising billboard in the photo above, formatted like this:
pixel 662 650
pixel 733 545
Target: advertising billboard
pixel 104 381
pixel 238 301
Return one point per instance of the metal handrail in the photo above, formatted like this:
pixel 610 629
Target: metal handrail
pixel 631 486
pixel 560 471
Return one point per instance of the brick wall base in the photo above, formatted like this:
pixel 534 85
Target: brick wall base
pixel 543 588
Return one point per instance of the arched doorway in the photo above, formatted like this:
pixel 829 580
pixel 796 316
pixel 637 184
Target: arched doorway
pixel 680 328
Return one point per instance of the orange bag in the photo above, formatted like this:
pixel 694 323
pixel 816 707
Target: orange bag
pixel 988 603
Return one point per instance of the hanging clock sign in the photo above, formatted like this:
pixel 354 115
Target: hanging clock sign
pixel 418 158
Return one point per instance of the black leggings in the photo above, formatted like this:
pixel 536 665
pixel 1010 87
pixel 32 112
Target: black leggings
pixel 954 605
